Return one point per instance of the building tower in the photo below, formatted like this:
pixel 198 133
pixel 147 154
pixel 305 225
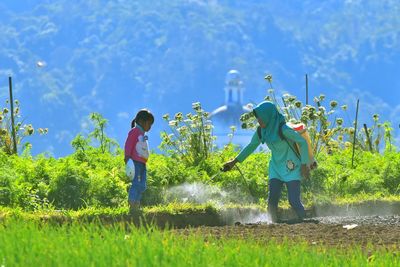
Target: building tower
pixel 229 114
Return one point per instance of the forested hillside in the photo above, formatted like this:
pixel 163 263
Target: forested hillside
pixel 114 57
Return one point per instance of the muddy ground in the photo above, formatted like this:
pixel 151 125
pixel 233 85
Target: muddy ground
pixel 363 231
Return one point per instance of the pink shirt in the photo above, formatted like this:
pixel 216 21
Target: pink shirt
pixel 136 146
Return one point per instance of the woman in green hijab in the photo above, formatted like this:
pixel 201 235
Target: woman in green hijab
pixel 285 166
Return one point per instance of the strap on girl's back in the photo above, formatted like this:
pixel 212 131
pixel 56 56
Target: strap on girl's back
pixel 280 131
pixel 296 152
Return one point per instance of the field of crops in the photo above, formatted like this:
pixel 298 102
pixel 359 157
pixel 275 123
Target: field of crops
pixel 73 210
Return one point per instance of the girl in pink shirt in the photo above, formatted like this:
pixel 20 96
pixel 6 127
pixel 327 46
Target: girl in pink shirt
pixel 136 155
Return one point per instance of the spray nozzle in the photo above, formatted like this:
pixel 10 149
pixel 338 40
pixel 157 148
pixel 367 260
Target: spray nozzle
pixel 225 168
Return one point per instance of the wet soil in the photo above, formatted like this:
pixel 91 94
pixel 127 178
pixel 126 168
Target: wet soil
pixel 367 232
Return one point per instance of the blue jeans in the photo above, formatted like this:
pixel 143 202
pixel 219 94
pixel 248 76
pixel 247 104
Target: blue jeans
pixel 138 183
pixel 274 194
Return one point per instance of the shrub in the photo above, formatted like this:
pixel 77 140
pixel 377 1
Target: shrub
pixel 106 188
pixel 69 188
pixel 390 173
pixel 191 138
pixel 6 187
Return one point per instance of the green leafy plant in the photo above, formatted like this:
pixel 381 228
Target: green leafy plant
pixel 326 128
pixel 96 141
pixel 191 138
pixel 21 129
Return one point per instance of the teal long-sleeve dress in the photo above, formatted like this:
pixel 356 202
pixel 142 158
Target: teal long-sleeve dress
pixel 285 164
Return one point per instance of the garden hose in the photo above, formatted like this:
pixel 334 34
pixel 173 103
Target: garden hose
pixel 245 180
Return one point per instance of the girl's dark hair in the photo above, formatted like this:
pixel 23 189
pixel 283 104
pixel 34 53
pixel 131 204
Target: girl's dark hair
pixel 142 116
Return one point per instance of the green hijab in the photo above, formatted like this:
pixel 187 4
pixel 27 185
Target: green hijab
pixel 272 118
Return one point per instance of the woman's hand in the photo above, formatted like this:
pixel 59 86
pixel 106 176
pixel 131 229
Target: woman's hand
pixel 229 165
pixel 305 171
pixel 314 165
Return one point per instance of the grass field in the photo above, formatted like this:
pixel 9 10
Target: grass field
pixel 36 244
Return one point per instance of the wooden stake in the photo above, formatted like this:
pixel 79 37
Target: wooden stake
pixel 306 89
pixel 12 117
pixel 368 140
pixel 355 133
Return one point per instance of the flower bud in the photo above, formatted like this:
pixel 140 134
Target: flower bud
pixel 268 77
pixel 173 123
pixel 196 106
pixel 166 117
pixel 333 104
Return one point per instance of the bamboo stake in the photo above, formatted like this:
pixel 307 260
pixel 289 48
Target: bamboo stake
pixel 12 116
pixel 355 133
pixel 306 89
pixel 368 140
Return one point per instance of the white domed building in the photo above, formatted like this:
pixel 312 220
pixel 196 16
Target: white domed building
pixel 229 114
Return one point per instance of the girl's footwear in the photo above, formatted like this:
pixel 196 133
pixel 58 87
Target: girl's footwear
pixel 134 206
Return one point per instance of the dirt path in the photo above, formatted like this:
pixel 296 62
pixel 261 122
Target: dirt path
pixel 376 231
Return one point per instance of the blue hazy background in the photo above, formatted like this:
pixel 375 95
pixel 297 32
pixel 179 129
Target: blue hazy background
pixel 115 57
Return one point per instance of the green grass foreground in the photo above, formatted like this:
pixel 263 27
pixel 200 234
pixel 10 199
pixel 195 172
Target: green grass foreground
pixel 35 244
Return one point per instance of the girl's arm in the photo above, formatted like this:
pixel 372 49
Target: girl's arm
pixel 254 143
pixel 294 136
